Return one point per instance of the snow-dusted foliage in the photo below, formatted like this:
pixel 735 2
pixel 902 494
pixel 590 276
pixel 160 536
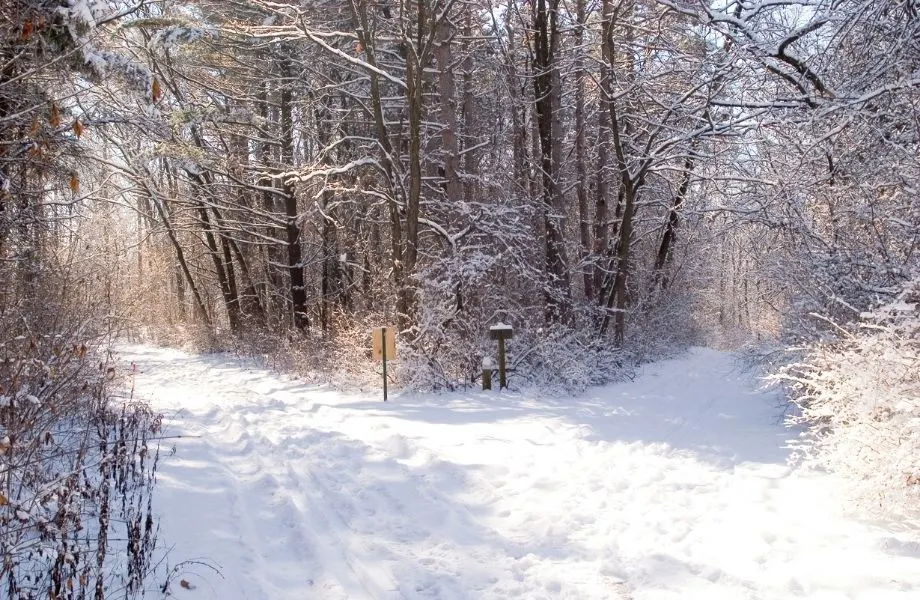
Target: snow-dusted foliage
pixel 832 199
pixel 555 358
pixel 489 277
pixel 859 397
pixel 172 36
pixel 76 470
pixel 297 175
pixel 76 26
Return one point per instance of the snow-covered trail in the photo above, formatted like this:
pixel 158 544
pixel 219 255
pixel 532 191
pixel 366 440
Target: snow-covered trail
pixel 670 486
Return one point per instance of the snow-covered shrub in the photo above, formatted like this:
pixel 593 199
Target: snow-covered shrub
pixel 76 468
pixel 554 358
pixel 449 347
pixel 664 326
pixel 859 397
pixel 489 276
pixel 342 359
pixel 566 359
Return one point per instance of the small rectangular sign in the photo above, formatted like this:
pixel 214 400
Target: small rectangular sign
pixel 377 338
pixel 501 332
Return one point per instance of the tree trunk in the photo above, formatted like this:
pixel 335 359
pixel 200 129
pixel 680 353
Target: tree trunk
pixel 581 176
pixel 630 183
pixel 469 116
pixel 163 210
pixel 272 254
pixel 415 63
pixel 446 89
pixel 386 159
pixel 291 214
pixel 250 303
pixel 221 269
pixel 605 95
pixel 518 115
pixel 332 286
pixel 557 292
pixel 669 238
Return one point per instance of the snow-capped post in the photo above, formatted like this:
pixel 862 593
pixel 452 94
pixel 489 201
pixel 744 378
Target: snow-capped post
pixel 501 332
pixel 383 346
pixel 487 365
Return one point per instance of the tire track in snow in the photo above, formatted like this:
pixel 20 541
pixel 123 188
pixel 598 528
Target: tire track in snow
pixel 249 493
pixel 280 531
pixel 307 522
pixel 324 525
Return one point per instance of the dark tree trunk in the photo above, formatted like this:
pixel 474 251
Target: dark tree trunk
pixel 272 288
pixel 581 176
pixel 446 93
pixel 669 237
pixel 558 293
pixel 163 210
pixel 291 214
pixel 469 113
pixel 231 302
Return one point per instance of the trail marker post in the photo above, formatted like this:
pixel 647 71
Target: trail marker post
pixel 501 332
pixel 383 347
pixel 487 366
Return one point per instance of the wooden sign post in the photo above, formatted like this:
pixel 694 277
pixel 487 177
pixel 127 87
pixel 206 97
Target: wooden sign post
pixel 383 347
pixel 487 366
pixel 501 332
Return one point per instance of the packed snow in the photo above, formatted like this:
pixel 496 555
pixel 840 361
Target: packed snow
pixel 671 486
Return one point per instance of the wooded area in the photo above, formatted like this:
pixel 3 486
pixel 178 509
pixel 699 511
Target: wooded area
pixel 606 170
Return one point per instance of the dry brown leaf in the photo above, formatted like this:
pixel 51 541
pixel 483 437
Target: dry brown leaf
pixel 74 183
pixel 55 115
pixel 3 500
pixel 78 127
pixel 156 91
pixel 185 584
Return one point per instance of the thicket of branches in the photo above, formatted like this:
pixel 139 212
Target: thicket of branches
pixel 76 462
pixel 859 397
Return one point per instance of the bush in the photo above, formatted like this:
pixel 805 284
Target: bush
pixel 859 399
pixel 76 470
pixel 555 358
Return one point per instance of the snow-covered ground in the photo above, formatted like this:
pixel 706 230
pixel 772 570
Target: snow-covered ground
pixel 670 486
